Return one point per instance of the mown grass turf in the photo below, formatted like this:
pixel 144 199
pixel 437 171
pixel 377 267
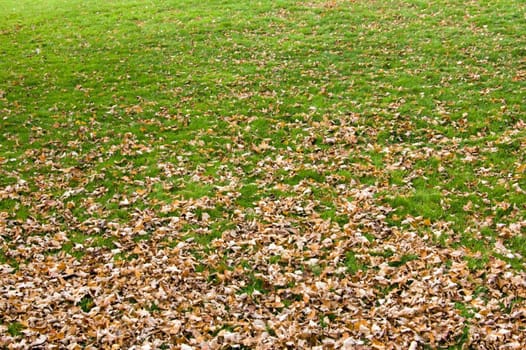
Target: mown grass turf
pixel 112 108
pixel 80 78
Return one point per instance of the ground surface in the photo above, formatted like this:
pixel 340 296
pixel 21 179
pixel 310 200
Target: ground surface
pixel 262 174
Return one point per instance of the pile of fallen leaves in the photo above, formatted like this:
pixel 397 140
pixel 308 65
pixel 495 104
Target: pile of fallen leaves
pixel 279 276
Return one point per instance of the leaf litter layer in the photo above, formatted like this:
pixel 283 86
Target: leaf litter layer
pixel 330 174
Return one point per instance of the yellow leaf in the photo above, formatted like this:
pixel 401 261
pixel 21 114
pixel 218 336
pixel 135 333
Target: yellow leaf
pixel 360 324
pixel 377 344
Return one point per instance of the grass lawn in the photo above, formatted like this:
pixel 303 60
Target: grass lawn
pixel 262 174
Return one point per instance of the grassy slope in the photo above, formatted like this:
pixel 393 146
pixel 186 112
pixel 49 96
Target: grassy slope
pixel 235 116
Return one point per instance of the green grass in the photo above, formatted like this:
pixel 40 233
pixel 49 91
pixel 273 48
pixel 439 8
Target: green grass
pixel 86 303
pixel 352 263
pixel 254 284
pixel 403 260
pixel 15 329
pixel 268 116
